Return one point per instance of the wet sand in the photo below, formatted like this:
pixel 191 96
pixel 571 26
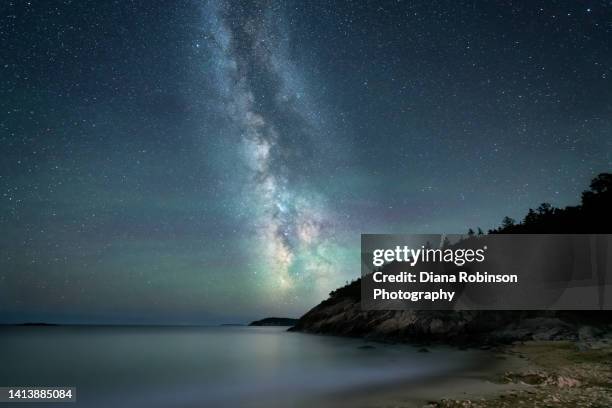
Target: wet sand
pixel 534 374
pixel 474 381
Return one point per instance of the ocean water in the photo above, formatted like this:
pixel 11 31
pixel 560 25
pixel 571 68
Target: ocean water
pixel 208 366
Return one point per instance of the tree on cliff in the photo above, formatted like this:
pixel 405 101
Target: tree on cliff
pixel 593 215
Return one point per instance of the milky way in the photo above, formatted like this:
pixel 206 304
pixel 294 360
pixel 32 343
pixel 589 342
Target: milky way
pixel 291 226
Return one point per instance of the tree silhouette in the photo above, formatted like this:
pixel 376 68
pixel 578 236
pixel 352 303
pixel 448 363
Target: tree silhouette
pixel 508 222
pixel 446 243
pixel 531 217
pixel 593 215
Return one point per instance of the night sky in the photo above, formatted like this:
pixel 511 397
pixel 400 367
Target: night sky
pixel 206 162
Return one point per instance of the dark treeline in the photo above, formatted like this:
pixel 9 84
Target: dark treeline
pixel 592 216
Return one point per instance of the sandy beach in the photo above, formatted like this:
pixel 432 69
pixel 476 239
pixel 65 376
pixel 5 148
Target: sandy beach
pixel 533 374
pixel 477 380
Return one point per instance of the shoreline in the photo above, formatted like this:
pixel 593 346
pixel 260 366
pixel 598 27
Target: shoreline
pixel 474 380
pixel 556 373
pixel 543 373
pixel 535 373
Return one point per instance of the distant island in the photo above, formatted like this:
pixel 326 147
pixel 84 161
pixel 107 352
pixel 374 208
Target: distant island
pixel 274 321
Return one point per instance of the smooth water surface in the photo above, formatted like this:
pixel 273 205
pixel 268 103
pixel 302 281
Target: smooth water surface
pixel 205 366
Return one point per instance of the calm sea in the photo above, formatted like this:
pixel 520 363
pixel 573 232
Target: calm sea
pixel 207 366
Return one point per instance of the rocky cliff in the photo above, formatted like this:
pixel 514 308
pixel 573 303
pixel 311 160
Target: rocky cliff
pixel 341 315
